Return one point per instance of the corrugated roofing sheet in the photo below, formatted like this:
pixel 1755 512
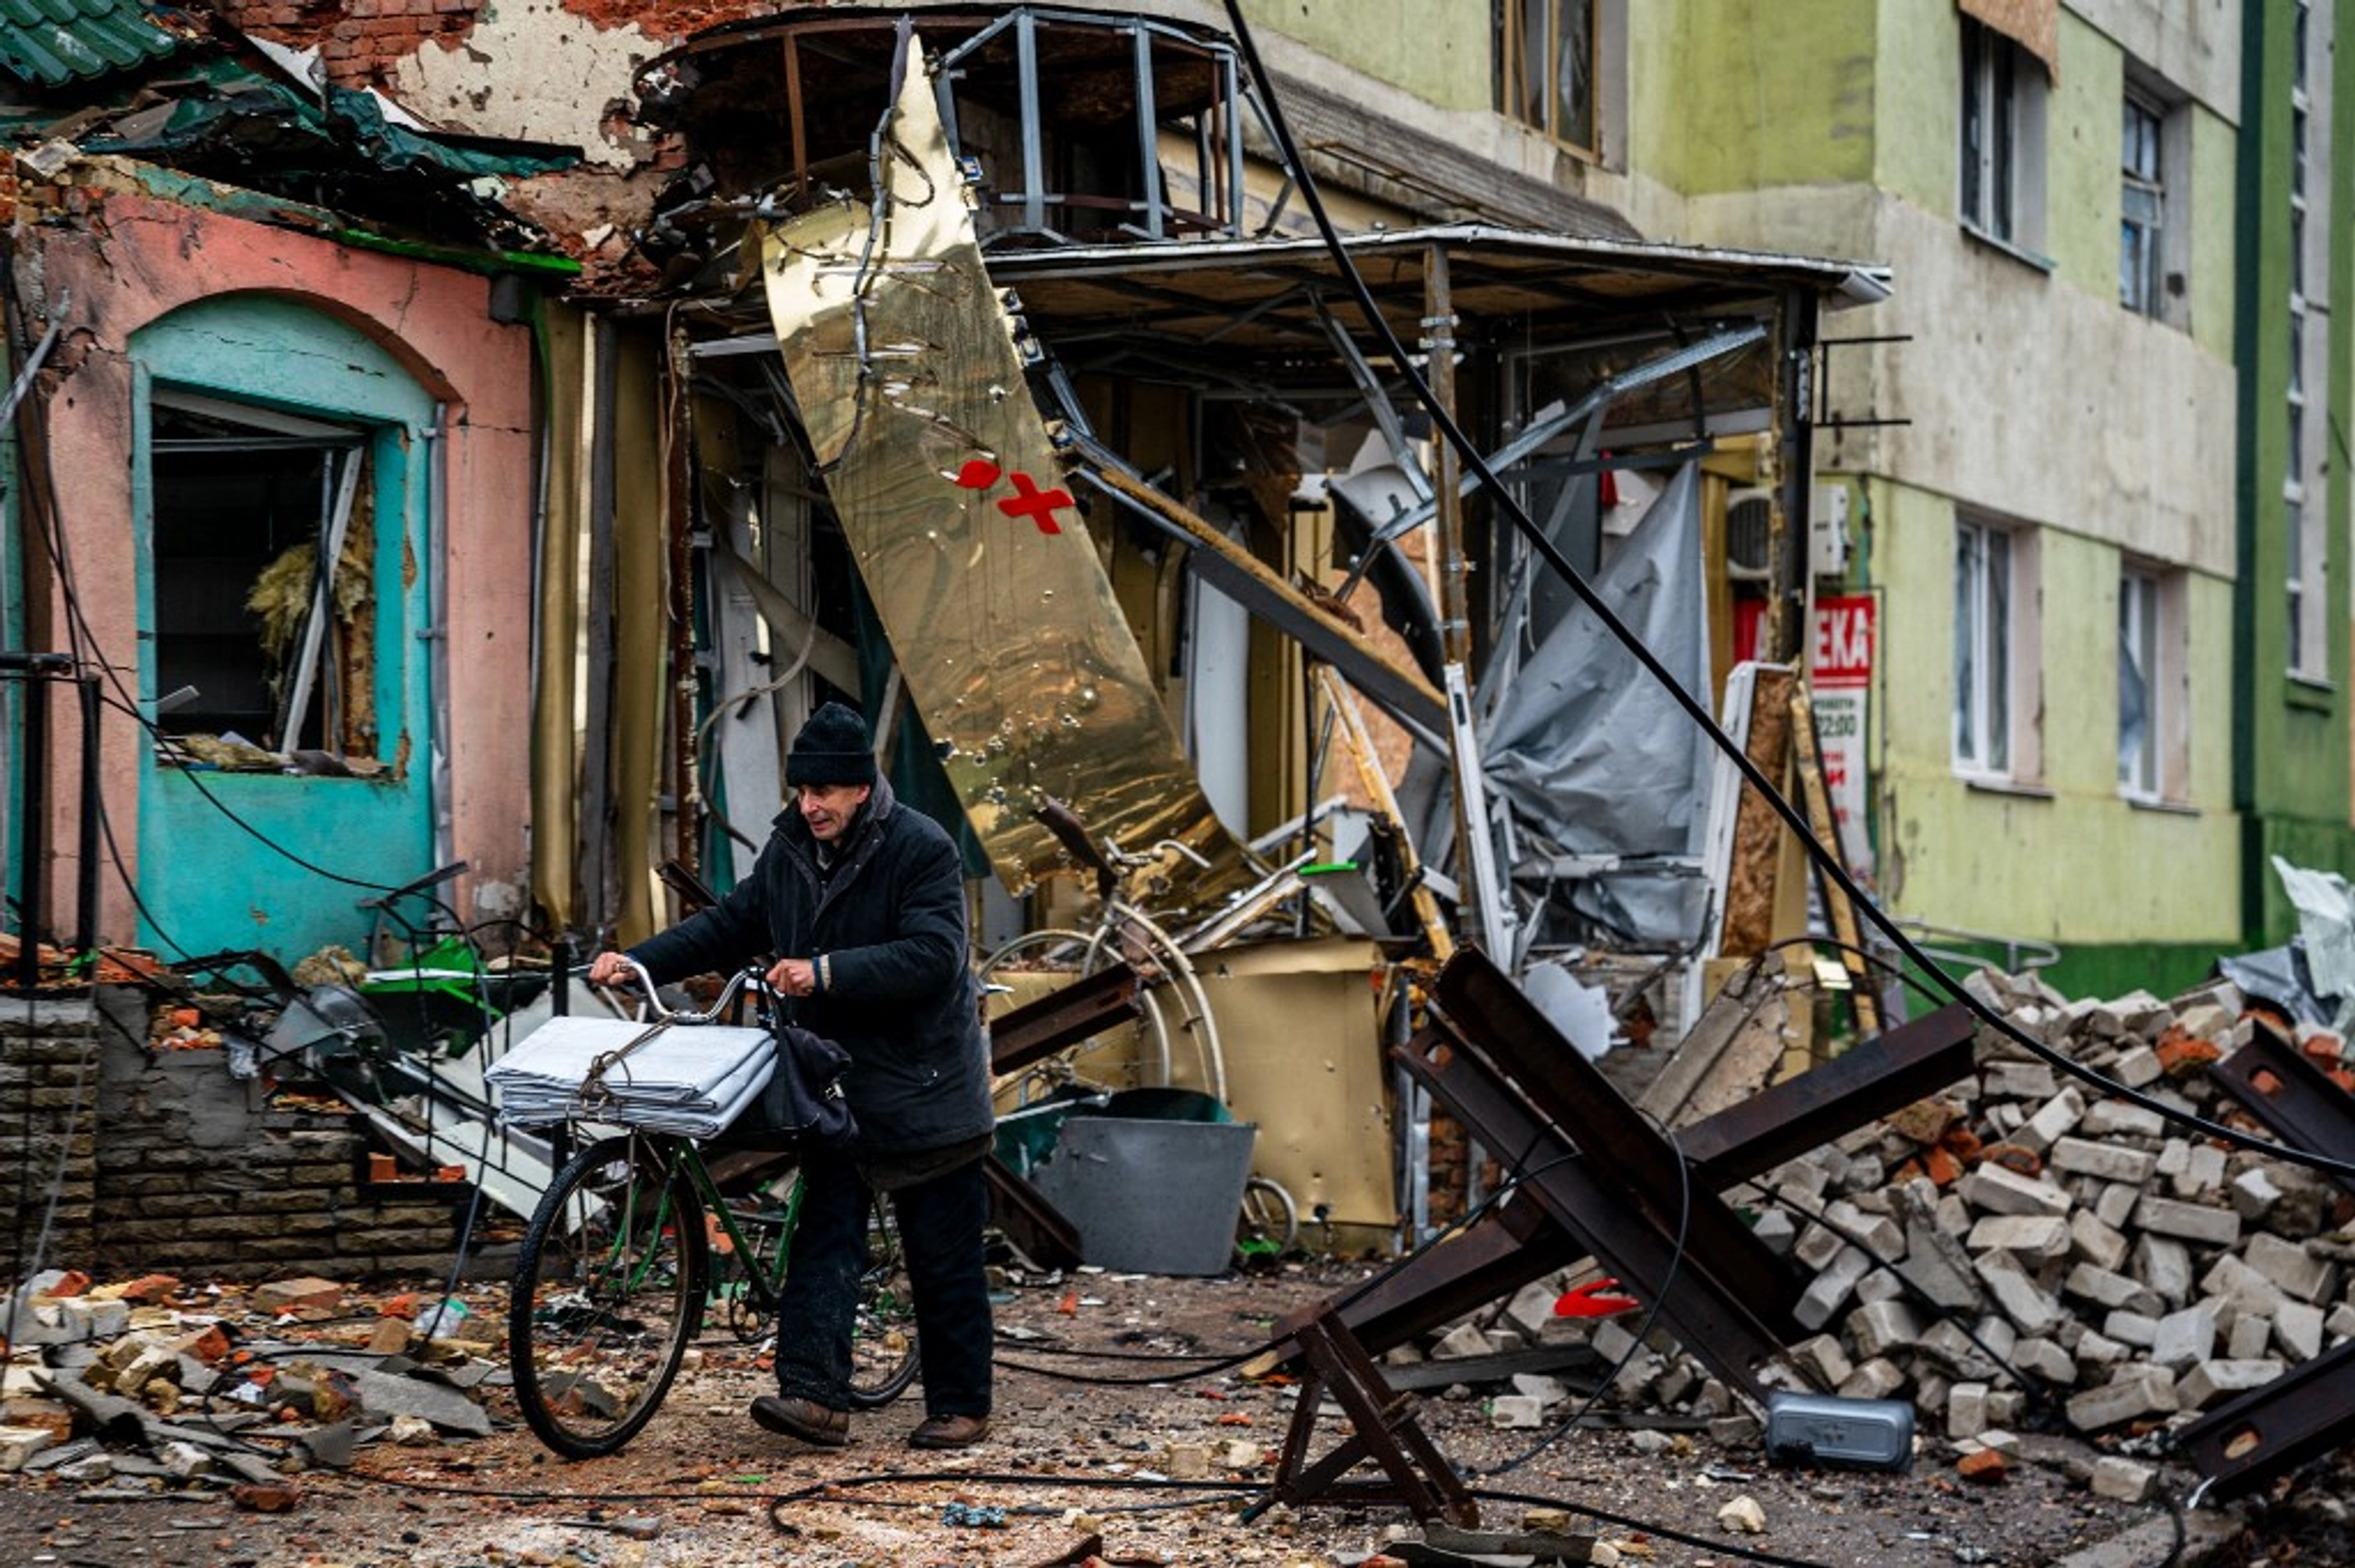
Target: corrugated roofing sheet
pixel 52 42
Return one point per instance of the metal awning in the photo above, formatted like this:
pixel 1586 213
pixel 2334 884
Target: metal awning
pixel 1261 293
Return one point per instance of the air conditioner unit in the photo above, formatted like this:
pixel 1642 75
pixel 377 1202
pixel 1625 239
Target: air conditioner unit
pixel 1750 516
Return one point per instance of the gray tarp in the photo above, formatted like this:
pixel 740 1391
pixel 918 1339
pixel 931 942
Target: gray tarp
pixel 1589 753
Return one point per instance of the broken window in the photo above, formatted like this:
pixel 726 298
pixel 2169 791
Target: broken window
pixel 1545 67
pixel 264 572
pixel 2142 205
pixel 1982 649
pixel 2138 685
pixel 2153 718
pixel 2002 139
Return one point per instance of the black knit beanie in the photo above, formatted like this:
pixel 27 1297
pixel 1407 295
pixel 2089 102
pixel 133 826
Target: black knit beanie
pixel 831 748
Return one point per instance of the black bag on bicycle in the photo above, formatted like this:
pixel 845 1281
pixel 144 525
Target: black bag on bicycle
pixel 804 1103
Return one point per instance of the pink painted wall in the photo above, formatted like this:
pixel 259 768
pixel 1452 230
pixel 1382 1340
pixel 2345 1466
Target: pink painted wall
pixel 132 259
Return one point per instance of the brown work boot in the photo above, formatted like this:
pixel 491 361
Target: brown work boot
pixel 804 1419
pixel 949 1432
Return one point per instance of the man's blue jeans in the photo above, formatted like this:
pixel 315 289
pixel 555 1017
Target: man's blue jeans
pixel 940 1222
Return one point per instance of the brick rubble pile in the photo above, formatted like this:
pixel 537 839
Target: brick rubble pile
pixel 2026 1252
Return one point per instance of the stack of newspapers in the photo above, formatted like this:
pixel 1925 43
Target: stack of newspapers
pixel 689 1078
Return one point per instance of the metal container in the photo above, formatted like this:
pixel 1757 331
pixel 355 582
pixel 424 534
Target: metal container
pixel 1150 1196
pixel 1843 1434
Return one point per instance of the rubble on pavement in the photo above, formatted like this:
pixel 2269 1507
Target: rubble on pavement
pixel 152 1383
pixel 2020 1254
pixel 2026 1253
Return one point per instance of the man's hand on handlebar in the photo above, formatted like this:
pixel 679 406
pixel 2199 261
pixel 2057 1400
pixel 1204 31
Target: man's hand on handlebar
pixel 793 976
pixel 612 969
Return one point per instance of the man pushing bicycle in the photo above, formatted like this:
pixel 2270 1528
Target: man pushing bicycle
pixel 865 898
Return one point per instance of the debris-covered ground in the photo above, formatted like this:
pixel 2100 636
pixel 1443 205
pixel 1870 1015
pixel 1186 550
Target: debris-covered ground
pixel 1087 1459
pixel 2052 1279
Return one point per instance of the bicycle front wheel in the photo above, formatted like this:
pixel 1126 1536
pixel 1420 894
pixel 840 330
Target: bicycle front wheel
pixel 883 1337
pixel 607 1293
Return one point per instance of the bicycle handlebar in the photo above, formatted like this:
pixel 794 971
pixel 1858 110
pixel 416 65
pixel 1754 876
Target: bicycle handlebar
pixel 1108 859
pixel 1072 833
pixel 743 980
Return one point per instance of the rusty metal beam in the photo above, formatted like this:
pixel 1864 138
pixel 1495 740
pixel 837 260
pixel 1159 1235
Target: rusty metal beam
pixel 1489 1259
pixel 1063 1017
pixel 1382 1429
pixel 2295 1098
pixel 1574 1203
pixel 2269 1431
pixel 1884 1075
pixel 1517 1241
pixel 1626 1157
pixel 1735 1319
pixel 1030 1221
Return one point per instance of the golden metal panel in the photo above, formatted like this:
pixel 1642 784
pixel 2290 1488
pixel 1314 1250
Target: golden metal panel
pixel 944 476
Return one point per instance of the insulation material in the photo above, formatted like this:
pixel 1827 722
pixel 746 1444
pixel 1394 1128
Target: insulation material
pixel 282 601
pixel 2034 25
pixel 979 562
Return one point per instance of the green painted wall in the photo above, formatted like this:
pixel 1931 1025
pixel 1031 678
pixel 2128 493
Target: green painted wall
pixel 1914 105
pixel 2082 123
pixel 1437 50
pixel 2082 127
pixel 2060 862
pixel 2214 196
pixel 2291 740
pixel 2095 972
pixel 1764 94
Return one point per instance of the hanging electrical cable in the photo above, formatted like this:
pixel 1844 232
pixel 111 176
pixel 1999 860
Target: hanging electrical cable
pixel 1827 863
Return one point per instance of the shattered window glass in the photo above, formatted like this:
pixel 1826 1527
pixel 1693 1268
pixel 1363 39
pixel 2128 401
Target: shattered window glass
pixel 2138 657
pixel 1982 649
pixel 255 643
pixel 1545 67
pixel 1990 126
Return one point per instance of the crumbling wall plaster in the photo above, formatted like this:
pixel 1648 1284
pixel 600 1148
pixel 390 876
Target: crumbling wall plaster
pixel 542 71
pixel 125 261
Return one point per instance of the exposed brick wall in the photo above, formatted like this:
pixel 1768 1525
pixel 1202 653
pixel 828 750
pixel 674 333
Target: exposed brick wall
pixel 49 1108
pixel 175 1167
pixel 359 41
pixel 362 40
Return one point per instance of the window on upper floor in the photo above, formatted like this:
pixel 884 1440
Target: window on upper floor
pixel 1995 668
pixel 1547 76
pixel 2142 204
pixel 2002 140
pixel 2153 746
pixel 2155 198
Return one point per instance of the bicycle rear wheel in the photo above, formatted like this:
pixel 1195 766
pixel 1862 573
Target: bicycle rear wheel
pixel 607 1293
pixel 883 1337
pixel 1269 1222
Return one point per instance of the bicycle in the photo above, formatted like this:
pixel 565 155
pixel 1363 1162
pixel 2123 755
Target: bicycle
pixel 636 1241
pixel 1123 933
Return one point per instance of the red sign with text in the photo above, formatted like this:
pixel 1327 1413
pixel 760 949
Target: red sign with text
pixel 1844 629
pixel 1844 641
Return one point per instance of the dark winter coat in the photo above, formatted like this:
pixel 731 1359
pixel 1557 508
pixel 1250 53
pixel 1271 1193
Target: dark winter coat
pixel 901 995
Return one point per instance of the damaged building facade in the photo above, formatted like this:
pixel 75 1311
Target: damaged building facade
pixel 985 365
